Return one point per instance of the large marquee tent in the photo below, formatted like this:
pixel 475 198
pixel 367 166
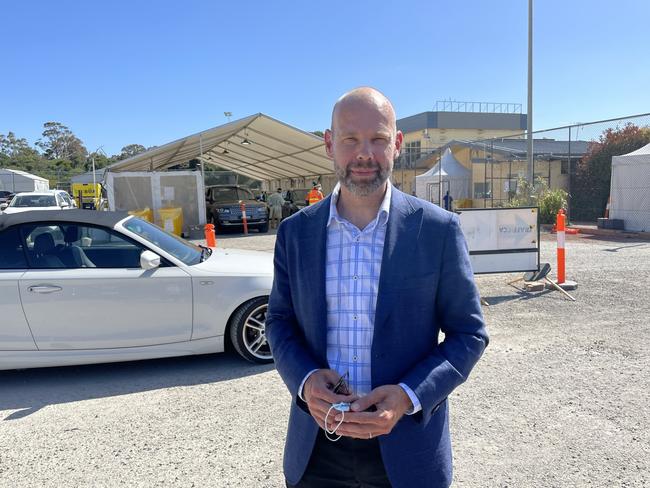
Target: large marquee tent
pixel 630 189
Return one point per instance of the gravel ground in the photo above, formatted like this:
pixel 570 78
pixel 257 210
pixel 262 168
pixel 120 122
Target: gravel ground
pixel 560 399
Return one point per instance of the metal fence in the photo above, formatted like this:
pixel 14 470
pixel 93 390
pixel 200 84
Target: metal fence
pixel 499 164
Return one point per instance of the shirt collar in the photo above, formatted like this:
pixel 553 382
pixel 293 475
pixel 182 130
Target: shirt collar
pixel 382 213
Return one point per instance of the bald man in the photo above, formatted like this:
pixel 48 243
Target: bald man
pixel 356 312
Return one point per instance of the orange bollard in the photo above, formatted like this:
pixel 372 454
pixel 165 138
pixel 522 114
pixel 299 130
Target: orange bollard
pixel 242 206
pixel 210 236
pixel 561 228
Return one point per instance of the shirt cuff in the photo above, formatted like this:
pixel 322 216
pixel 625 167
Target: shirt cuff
pixel 303 384
pixel 414 399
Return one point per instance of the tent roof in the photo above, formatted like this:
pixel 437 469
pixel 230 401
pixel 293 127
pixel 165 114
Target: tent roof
pixel 24 174
pixel 642 151
pixel 450 167
pixel 276 150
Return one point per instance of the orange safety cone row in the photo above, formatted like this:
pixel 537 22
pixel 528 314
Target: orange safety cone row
pixel 210 236
pixel 561 227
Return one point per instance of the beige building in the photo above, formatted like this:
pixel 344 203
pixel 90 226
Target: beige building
pixel 497 165
pixel 426 132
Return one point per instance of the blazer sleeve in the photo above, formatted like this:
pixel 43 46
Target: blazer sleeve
pixel 458 311
pixel 292 358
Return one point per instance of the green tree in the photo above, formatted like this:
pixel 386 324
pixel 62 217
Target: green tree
pixel 591 184
pixel 59 142
pixel 539 195
pixel 130 150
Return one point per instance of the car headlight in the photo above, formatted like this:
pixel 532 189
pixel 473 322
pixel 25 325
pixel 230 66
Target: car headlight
pixel 223 210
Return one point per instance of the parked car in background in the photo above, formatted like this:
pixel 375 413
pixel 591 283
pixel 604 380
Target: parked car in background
pixel 296 199
pixel 83 286
pixel 42 200
pixel 223 208
pixel 6 196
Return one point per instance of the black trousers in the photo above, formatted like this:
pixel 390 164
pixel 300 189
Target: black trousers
pixel 346 463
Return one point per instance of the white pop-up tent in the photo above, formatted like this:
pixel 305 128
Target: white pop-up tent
pixel 630 189
pixel 455 178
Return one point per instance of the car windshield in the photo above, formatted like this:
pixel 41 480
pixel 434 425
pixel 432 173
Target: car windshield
pixel 181 249
pixel 33 201
pixel 228 194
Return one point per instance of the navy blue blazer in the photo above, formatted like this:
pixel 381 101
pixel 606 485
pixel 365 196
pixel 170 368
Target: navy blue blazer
pixel 426 286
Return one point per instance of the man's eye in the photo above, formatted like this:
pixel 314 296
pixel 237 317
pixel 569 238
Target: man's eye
pixel 350 140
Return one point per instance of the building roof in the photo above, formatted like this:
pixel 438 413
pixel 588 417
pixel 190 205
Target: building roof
pixel 462 120
pixel 257 146
pixel 517 148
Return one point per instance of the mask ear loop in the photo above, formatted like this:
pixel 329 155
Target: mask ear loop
pixel 329 432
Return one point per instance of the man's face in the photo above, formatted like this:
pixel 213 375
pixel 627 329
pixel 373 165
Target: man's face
pixel 363 144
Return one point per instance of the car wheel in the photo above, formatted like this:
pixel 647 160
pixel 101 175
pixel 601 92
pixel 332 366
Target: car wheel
pixel 248 332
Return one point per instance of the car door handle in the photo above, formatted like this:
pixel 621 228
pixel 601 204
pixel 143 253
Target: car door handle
pixel 44 289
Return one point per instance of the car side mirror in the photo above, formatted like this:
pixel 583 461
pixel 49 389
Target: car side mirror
pixel 3 206
pixel 149 260
pixel 65 204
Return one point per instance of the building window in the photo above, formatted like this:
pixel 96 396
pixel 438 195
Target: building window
pixel 412 151
pixel 564 168
pixel 482 190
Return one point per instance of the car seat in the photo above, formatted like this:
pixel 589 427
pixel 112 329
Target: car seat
pixel 72 255
pixel 43 252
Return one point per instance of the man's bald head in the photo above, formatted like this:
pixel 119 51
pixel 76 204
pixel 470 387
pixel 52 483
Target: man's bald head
pixel 367 97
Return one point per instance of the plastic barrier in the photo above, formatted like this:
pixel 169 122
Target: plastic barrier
pixel 171 219
pixel 242 206
pixel 561 225
pixel 144 213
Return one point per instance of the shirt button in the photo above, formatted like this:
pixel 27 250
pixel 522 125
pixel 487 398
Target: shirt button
pixel 354 317
pixel 354 358
pixel 357 238
pixel 354 277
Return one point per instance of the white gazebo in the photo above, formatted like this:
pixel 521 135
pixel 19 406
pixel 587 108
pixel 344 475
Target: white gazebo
pixel 454 176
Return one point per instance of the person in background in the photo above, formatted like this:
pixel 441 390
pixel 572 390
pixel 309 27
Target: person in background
pixel 364 283
pixel 448 201
pixel 315 194
pixel 275 202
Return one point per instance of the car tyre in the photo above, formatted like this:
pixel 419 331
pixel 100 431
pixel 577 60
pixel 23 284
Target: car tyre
pixel 248 332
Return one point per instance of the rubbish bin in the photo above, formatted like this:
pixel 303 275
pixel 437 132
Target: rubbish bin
pixel 143 213
pixel 171 219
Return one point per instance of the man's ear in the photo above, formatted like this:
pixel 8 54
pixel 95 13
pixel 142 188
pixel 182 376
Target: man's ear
pixel 399 139
pixel 328 136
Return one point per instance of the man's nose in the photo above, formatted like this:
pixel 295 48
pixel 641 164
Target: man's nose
pixel 365 150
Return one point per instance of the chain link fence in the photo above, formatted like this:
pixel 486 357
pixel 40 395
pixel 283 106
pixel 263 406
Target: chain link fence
pixel 574 158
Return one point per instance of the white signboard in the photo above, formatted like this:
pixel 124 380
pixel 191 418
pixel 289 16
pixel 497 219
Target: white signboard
pixel 502 240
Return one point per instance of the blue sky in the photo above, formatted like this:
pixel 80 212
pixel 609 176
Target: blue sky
pixel 149 72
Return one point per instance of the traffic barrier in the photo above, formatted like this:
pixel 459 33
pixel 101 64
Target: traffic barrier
pixel 210 236
pixel 242 206
pixel 561 226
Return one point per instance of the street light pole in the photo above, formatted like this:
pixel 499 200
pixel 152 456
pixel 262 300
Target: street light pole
pixel 529 118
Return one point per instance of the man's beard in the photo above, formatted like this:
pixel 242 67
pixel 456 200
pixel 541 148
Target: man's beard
pixel 362 189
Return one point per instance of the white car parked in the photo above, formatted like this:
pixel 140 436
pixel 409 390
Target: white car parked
pixel 43 200
pixel 81 286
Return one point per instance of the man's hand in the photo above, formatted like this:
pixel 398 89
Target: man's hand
pixel 317 392
pixel 391 402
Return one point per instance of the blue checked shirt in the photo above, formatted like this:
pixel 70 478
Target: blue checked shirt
pixel 351 283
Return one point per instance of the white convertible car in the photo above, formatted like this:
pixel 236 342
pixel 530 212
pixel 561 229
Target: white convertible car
pixel 80 286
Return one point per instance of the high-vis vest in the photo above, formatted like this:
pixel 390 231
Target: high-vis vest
pixel 314 196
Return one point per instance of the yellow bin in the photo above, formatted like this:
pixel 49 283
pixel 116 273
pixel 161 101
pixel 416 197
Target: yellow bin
pixel 171 219
pixel 144 213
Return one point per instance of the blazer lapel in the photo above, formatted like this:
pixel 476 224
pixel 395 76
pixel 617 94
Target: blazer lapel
pixel 402 234
pixel 313 262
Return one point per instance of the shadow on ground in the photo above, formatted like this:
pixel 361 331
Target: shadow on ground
pixel 29 390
